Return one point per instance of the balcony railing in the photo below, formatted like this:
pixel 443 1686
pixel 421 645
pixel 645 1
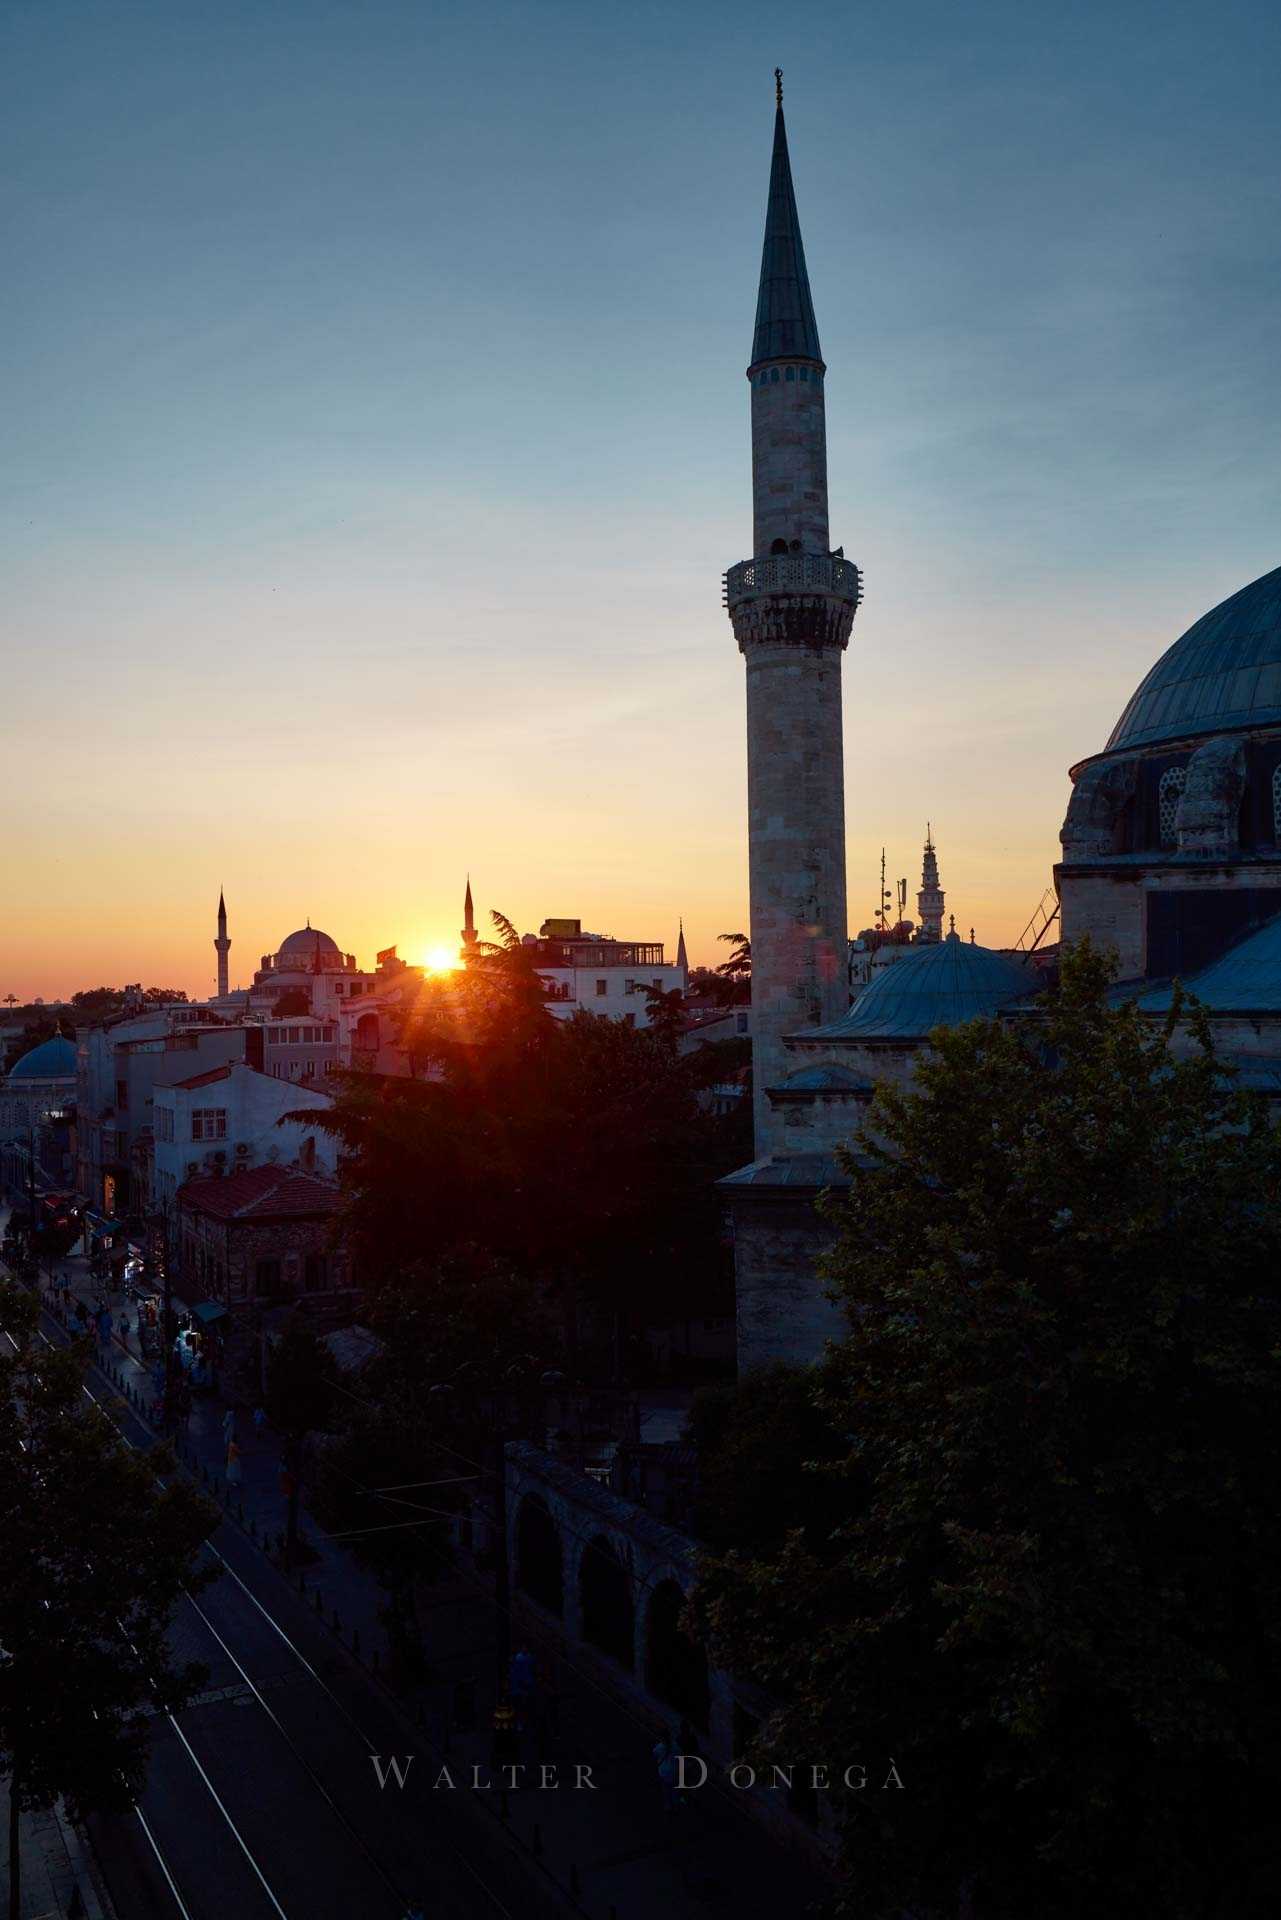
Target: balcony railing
pixel 794 573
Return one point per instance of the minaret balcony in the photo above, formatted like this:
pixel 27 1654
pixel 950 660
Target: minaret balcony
pixel 793 573
pixel 806 599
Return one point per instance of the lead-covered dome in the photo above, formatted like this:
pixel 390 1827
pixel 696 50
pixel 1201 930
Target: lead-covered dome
pixel 930 986
pixel 1225 673
pixel 306 943
pixel 52 1060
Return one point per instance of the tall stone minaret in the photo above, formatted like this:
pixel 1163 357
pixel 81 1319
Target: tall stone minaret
pixel 792 606
pixel 929 901
pixel 468 935
pixel 222 946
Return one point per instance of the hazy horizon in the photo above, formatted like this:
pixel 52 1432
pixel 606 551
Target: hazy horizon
pixel 377 429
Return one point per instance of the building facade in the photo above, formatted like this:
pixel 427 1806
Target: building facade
pixel 259 1236
pixel 233 1117
pixel 602 975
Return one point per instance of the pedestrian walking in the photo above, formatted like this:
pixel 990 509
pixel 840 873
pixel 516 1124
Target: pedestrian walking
pixel 233 1464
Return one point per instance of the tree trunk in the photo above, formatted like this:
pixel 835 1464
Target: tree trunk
pixel 15 1863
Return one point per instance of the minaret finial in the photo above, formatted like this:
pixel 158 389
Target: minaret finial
pixel 778 86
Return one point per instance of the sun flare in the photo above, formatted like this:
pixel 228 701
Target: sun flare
pixel 440 959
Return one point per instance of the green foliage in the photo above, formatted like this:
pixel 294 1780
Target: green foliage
pixel 300 1371
pixel 1053 1594
pixel 572 1153
pixel 94 1556
pixel 758 1446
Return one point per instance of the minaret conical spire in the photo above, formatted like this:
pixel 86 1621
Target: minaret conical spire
pixel 682 958
pixel 468 935
pixel 785 325
pixel 222 945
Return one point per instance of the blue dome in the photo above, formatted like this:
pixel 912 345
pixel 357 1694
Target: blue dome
pixel 52 1060
pixel 1224 673
pixel 928 987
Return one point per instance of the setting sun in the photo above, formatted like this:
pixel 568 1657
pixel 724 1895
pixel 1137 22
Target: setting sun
pixel 440 959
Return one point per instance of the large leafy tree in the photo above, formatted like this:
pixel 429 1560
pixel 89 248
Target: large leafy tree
pixel 299 1401
pixel 94 1554
pixel 1053 1593
pixel 576 1154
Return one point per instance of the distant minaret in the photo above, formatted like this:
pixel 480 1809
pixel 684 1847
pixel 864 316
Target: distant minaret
pixel 929 901
pixel 792 606
pixel 222 946
pixel 682 958
pixel 468 935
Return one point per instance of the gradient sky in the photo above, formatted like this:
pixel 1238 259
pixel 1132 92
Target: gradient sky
pixel 375 430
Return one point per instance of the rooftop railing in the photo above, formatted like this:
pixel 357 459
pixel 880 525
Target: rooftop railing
pixel 824 573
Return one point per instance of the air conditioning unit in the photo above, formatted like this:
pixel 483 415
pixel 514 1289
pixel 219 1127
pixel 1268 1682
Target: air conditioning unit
pixel 242 1149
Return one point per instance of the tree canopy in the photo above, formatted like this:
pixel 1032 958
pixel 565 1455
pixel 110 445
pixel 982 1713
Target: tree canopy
pixel 1052 1592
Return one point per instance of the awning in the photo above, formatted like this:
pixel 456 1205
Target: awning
pixel 207 1311
pixel 103 1229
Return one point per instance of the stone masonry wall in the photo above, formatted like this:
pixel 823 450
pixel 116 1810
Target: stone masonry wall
pixel 796 808
pixel 789 463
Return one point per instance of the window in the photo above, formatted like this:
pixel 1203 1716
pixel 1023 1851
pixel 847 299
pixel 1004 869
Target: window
pixel 805 373
pixel 1276 803
pixel 267 1276
pixel 338 988
pixel 122 1093
pixel 602 987
pixel 1169 792
pixel 791 373
pixel 331 1033
pixel 164 1123
pixel 773 374
pixel 295 1035
pixel 314 1277
pixel 209 1123
pixel 311 1070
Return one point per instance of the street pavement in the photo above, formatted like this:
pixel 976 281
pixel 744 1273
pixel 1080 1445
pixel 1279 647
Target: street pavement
pixel 297 1702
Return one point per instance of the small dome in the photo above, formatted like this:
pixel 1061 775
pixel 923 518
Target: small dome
pixel 52 1060
pixel 306 943
pixel 1224 673
pixel 927 987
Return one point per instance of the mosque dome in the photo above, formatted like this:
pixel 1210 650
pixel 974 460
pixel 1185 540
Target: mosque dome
pixel 1224 674
pixel 52 1060
pixel 306 943
pixel 930 986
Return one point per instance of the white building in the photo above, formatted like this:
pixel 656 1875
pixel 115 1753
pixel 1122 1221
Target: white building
pixel 603 975
pixel 231 1117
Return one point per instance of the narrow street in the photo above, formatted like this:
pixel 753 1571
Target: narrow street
pixel 264 1800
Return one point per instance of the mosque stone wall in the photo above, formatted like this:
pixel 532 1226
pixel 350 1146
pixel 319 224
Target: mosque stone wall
pixel 783 1312
pixel 796 807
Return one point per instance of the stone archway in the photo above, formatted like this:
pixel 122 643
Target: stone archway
pixel 605 1588
pixel 675 1664
pixel 539 1568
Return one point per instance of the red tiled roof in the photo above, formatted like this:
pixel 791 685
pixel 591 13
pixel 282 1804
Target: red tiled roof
pixel 257 1193
pixel 204 1079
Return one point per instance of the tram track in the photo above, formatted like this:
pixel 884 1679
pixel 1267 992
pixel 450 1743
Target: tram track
pixel 302 1724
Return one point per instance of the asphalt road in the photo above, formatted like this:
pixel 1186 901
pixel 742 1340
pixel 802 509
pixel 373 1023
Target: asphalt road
pixel 262 1802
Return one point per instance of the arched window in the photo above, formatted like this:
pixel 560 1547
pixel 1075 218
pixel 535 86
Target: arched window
pixel 1168 793
pixel 1276 803
pixel 791 373
pixel 779 546
pixel 773 374
pixel 675 1665
pixel 605 1588
pixel 538 1557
